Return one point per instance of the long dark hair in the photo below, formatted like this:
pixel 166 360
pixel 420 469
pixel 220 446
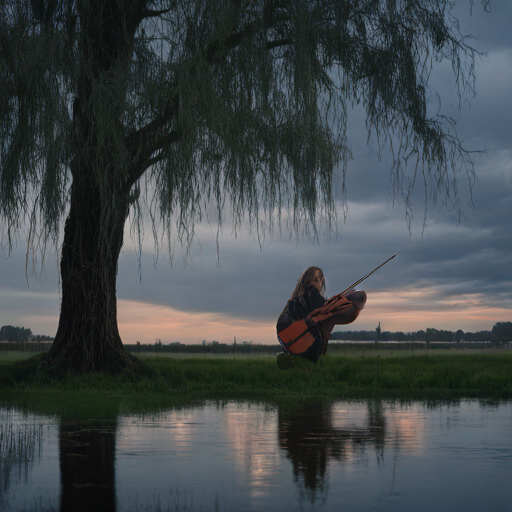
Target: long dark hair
pixel 305 281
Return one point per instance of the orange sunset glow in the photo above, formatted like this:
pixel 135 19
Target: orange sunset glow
pixel 145 322
pixel 411 310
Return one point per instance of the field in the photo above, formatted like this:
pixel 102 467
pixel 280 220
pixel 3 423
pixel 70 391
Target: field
pixel 175 377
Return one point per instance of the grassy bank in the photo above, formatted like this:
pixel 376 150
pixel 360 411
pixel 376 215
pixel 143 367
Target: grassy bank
pixel 432 375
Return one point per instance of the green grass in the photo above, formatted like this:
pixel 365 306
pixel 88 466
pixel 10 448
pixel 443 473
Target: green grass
pixel 170 379
pixel 205 355
pixel 14 355
pixel 361 350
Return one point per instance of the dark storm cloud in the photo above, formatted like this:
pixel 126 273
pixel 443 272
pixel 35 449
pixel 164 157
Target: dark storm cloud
pixel 491 29
pixel 471 256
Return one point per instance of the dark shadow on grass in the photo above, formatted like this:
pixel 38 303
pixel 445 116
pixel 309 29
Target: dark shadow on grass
pixel 33 371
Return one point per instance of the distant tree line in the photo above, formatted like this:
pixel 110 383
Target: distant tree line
pixel 41 337
pixel 502 331
pixel 11 333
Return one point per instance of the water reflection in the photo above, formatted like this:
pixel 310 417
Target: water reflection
pixel 87 455
pixel 311 440
pixel 21 437
pixel 356 455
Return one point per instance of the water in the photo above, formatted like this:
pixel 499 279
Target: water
pixel 357 455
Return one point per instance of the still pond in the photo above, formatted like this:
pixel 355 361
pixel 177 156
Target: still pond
pixel 354 455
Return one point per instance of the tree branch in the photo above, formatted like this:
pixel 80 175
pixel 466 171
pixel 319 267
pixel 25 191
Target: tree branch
pixel 146 140
pixel 139 139
pixel 146 160
pixel 143 13
pixel 150 13
pixel 278 42
pixel 164 141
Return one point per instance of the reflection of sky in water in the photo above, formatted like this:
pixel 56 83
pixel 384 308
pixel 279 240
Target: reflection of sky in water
pixel 351 455
pixel 29 467
pixel 227 452
pixel 444 458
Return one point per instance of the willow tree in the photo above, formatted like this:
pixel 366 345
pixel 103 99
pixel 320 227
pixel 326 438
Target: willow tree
pixel 111 106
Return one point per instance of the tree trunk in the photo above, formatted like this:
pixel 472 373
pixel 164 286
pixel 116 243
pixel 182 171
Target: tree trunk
pixel 87 338
pixel 87 466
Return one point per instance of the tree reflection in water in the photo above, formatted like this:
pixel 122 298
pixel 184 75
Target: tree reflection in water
pixel 87 453
pixel 308 436
pixel 20 446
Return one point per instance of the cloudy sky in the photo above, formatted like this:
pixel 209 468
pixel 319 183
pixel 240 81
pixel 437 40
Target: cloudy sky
pixel 450 275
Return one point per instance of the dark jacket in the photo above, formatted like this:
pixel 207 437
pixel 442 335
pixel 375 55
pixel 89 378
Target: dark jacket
pixel 299 307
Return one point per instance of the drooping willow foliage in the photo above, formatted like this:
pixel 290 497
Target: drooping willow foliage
pixel 238 102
